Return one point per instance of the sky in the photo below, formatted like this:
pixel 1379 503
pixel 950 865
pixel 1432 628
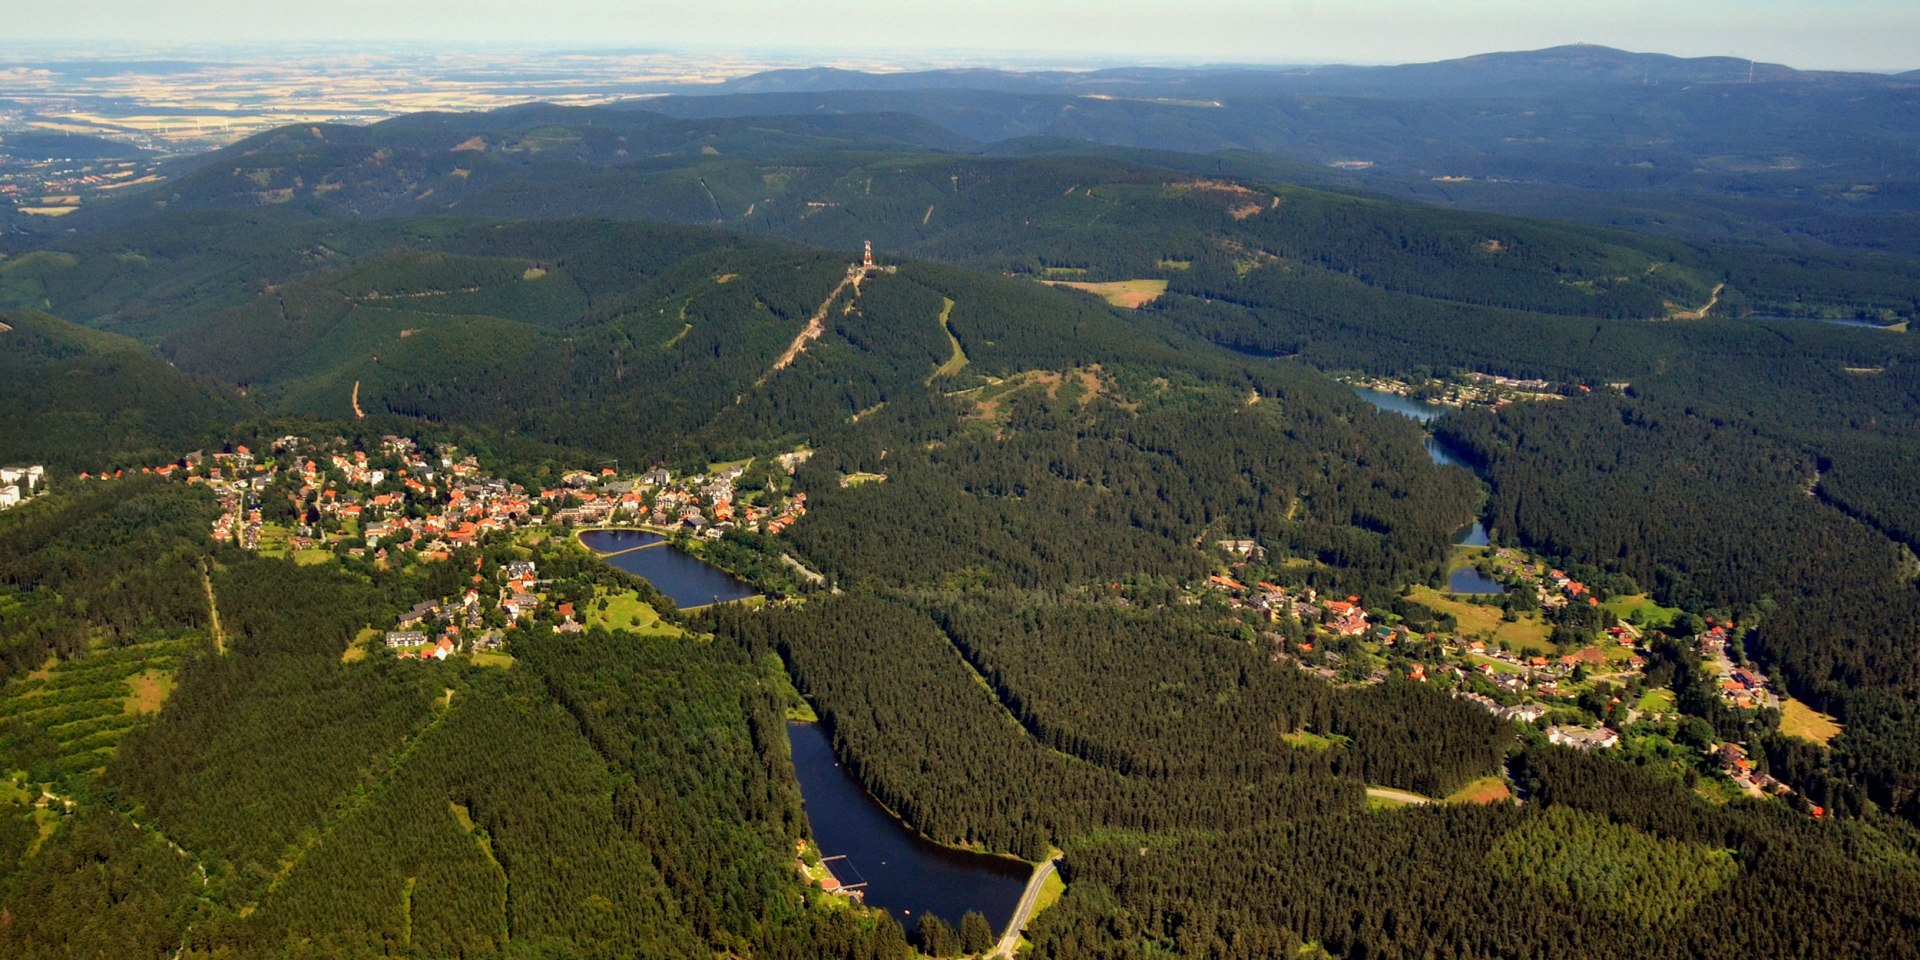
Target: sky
pixel 1810 34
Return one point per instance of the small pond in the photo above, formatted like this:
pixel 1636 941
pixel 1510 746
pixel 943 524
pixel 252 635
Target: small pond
pixel 1469 580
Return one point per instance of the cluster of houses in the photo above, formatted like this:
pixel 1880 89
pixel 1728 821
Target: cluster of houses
pixel 704 505
pixel 437 629
pixel 398 501
pixel 1583 738
pixel 1553 588
pixel 1742 686
pixel 1736 765
pixel 1474 389
pixel 20 484
pixel 401 498
pixel 1274 602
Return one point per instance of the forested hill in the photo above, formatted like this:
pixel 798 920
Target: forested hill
pixel 78 399
pixel 1689 146
pixel 1216 227
pixel 661 344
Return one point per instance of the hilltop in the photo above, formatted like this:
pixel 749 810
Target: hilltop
pixel 80 399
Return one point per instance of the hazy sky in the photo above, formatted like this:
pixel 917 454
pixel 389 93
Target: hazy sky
pixel 1860 34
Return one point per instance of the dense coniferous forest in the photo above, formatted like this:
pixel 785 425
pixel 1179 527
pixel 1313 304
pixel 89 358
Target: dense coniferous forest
pixel 1015 493
pixel 1601 862
pixel 118 563
pixel 81 400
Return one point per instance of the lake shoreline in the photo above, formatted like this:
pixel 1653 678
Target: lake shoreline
pixel 902 870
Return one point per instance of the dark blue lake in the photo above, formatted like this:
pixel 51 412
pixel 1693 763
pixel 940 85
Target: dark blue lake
pixel 1421 411
pixel 1405 406
pixel 614 541
pixel 1469 580
pixel 906 874
pixel 690 581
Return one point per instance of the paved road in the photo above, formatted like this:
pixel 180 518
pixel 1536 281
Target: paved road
pixel 1023 912
pixel 1402 796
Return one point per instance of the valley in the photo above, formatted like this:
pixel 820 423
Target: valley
pixel 891 515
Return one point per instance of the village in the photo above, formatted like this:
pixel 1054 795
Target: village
pixel 314 501
pixel 1597 676
pixel 1469 389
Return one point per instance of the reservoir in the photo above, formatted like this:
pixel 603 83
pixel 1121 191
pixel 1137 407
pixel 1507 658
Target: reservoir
pixel 689 580
pixel 1405 406
pixel 906 874
pixel 1422 412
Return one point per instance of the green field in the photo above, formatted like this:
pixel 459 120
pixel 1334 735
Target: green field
pixel 1651 614
pixel 273 540
pixel 626 611
pixel 1799 720
pixel 1499 666
pixel 1488 789
pixel 361 645
pixel 1527 633
pixel 1126 294
pixel 1307 740
pixel 1657 701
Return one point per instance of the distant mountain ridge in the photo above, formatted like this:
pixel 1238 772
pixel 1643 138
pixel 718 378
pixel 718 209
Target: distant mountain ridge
pixel 1507 72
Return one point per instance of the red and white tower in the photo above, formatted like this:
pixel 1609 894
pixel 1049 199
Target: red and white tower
pixel 866 259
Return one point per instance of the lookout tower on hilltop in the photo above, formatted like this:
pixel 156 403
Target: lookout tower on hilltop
pixel 866 257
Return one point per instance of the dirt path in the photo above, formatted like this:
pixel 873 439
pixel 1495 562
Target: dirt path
pixel 1401 796
pixel 1701 314
pixel 357 412
pixel 957 359
pixel 213 612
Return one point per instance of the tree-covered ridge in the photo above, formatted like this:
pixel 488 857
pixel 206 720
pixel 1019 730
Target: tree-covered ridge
pixel 1418 882
pixel 1221 226
pixel 921 731
pixel 78 399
